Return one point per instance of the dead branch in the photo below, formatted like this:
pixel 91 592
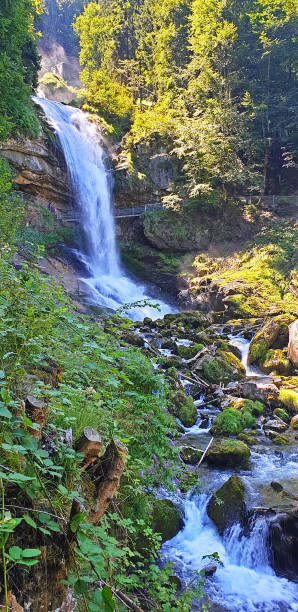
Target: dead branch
pixel 90 445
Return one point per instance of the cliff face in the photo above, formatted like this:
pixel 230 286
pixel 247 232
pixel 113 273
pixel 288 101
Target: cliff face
pixel 40 169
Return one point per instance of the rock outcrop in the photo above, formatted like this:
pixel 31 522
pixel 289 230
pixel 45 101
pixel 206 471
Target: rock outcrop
pixel 293 343
pixel 40 168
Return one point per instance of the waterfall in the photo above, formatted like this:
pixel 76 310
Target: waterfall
pixel 107 283
pixel 245 582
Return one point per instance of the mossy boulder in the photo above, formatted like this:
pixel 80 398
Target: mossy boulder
pixel 289 399
pixel 275 361
pixel 190 455
pixel 132 338
pixel 182 406
pixel 167 519
pixel 223 368
pixel 227 506
pixel 228 453
pixel 281 414
pixel 188 352
pixel 274 334
pixel 247 437
pixel 277 438
pixel 232 421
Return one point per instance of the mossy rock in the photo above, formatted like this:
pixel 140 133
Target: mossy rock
pixel 227 506
pixel 190 455
pixel 281 414
pixel 246 437
pixel 274 334
pixel 275 361
pixel 228 453
pixel 167 519
pixel 223 368
pixel 188 352
pixel 232 421
pixel 289 398
pixel 132 338
pixel 256 408
pixel 182 406
pixel 278 438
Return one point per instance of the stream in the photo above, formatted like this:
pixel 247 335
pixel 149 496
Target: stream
pixel 246 582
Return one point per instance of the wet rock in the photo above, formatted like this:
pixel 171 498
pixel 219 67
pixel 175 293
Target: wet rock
pixel 227 506
pixel 262 389
pixel 247 438
pixel 276 425
pixel 276 437
pixel 190 455
pixel 182 406
pixel 283 533
pixel 293 343
pixel 228 453
pixel 276 486
pixel 167 519
pixel 209 569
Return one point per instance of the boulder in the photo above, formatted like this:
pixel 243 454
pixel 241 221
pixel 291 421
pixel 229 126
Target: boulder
pixel 262 389
pixel 222 368
pixel 232 421
pixel 283 533
pixel 274 334
pixel 190 455
pixel 281 414
pixel 289 399
pixel 293 343
pixel 275 361
pixel 227 505
pixel 182 406
pixel 276 425
pixel 167 519
pixel 228 453
pixel 294 422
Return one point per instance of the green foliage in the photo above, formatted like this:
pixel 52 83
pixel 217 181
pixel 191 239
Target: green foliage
pixel 10 207
pixel 19 64
pixel 214 81
pixel 232 421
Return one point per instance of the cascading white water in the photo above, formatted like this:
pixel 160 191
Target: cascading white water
pixel 246 582
pixel 108 285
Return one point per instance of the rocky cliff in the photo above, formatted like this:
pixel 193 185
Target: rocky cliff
pixel 40 168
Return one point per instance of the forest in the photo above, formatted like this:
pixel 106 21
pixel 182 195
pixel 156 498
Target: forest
pixel 147 448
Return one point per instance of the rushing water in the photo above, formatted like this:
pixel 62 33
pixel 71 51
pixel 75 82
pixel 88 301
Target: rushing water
pixel 246 582
pixel 107 283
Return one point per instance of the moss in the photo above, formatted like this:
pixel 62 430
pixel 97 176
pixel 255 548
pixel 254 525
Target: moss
pixel 182 406
pixel 279 439
pixel 166 519
pixel 190 455
pixel 256 408
pixel 223 368
pixel 228 453
pixel 281 414
pixel 232 421
pixel 187 352
pixel 289 398
pixel 227 506
pixel 276 361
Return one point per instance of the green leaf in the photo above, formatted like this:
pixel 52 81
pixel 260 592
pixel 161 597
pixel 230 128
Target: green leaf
pixel 29 521
pixel 107 595
pixel 4 412
pixel 80 587
pixel 15 552
pixel 31 552
pixel 75 521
